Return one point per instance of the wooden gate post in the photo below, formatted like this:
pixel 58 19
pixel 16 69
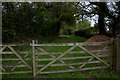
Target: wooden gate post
pixel 33 50
pixel 36 56
pixel 116 54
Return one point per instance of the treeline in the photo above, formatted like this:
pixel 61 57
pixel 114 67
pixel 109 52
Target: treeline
pixel 35 19
pixel 49 20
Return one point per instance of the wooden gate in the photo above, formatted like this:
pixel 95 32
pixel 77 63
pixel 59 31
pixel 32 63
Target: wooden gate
pixel 96 54
pixel 14 60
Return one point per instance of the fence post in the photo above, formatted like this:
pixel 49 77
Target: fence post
pixel 116 54
pixel 36 56
pixel 33 50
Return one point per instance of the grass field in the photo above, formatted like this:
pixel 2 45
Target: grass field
pixel 102 73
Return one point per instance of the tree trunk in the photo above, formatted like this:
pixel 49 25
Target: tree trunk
pixel 113 28
pixel 101 22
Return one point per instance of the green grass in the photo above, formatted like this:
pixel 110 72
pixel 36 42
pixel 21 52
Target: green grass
pixel 69 39
pixel 102 73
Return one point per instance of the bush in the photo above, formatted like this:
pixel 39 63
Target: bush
pixel 83 33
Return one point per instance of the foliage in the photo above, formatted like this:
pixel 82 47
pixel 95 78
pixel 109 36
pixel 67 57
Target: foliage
pixel 94 30
pixel 82 28
pixel 37 20
pixel 91 9
pixel 34 19
pixel 83 33
pixel 66 29
pixel 83 25
pixel 114 18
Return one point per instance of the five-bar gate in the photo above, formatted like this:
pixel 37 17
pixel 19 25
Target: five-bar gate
pixel 54 58
pixel 69 57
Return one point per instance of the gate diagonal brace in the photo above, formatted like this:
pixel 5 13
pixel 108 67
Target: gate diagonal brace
pixel 18 63
pixel 91 58
pixel 1 51
pixel 2 48
pixel 95 56
pixel 2 68
pixel 55 57
pixel 19 57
